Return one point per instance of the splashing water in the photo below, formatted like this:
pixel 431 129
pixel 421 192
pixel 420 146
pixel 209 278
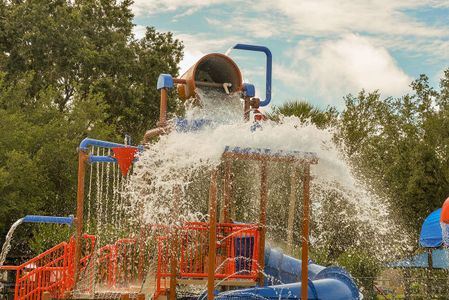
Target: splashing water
pixel 7 244
pixel 445 233
pixel 171 179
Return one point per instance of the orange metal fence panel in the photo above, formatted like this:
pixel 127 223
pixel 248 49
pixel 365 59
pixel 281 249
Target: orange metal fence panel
pixel 237 253
pixel 123 264
pixel 47 272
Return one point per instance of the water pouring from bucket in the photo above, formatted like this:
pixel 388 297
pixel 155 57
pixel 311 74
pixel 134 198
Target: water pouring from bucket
pixel 215 76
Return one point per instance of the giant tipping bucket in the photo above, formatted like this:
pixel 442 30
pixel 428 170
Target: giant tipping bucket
pixel 212 72
pixel 216 69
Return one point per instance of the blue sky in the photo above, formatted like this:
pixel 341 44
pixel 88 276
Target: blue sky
pixel 322 49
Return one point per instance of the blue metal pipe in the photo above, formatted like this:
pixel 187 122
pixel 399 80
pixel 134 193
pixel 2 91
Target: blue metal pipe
pixel 268 67
pixel 48 219
pixel 104 159
pixel 93 142
pixel 101 158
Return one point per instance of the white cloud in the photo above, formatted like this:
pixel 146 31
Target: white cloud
pixel 203 42
pixel 198 45
pixel 288 75
pixel 335 68
pixel 139 31
pixel 344 44
pixel 324 17
pixel 149 7
pixel 190 58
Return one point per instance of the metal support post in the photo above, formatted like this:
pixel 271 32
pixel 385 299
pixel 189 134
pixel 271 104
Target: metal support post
pixel 212 234
pixel 305 232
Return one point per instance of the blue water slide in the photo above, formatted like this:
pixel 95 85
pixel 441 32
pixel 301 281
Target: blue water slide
pixel 325 283
pixel 281 268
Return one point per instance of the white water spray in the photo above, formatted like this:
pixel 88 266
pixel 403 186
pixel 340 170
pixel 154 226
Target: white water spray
pixel 180 157
pixel 7 244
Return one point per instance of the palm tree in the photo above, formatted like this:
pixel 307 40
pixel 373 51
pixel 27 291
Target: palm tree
pixel 306 112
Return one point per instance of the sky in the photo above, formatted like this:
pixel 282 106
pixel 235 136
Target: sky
pixel 322 49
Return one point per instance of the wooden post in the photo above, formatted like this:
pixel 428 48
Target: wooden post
pixel 246 108
pixel 124 296
pixel 226 209
pixel 212 234
pixel 140 268
pixel 292 208
pixel 263 218
pixel 163 108
pixel 305 233
pixel 83 156
pixel 173 264
pixel 174 243
pixel 46 296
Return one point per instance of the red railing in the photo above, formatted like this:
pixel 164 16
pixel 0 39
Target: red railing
pixel 236 253
pixel 122 265
pixel 47 272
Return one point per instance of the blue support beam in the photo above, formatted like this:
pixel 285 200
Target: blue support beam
pixel 48 219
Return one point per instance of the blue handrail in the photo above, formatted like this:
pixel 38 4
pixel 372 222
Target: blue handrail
pixel 269 67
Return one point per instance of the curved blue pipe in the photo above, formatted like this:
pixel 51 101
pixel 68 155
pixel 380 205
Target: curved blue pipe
pixel 48 219
pixel 269 67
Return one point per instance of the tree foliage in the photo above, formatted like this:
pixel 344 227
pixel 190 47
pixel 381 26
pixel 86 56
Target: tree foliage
pixel 401 146
pixel 70 69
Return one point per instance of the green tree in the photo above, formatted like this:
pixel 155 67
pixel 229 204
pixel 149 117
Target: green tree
pixel 70 69
pixel 38 158
pixel 88 47
pixel 363 267
pixel 401 147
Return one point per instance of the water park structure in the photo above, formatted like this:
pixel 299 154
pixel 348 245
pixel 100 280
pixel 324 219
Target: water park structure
pixel 223 258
